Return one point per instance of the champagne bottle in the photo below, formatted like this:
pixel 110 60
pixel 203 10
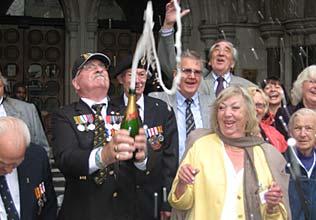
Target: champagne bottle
pixel 131 120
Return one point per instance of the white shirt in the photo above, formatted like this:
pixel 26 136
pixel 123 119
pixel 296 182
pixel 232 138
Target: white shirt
pixel 13 184
pixel 2 110
pixel 227 78
pixel 234 182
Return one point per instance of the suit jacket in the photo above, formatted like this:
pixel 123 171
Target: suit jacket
pixel 205 102
pixel 83 199
pixel 34 170
pixel 162 161
pixel 167 58
pixel 28 113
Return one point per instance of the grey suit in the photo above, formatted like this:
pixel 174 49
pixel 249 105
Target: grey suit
pixel 167 55
pixel 205 101
pixel 28 113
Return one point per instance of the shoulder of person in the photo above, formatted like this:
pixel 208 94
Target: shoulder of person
pixel 36 152
pixel 242 81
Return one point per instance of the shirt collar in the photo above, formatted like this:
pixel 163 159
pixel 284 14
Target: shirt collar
pixel 139 102
pixel 1 100
pixel 181 99
pixel 226 76
pixel 91 102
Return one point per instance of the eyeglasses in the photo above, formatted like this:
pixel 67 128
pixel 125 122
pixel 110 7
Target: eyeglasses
pixel 308 129
pixel 189 71
pixel 260 105
pixel 89 66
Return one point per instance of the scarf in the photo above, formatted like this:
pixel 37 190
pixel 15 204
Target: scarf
pixel 251 185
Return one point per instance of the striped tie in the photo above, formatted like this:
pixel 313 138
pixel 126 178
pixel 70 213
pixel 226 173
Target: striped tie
pixel 9 206
pixel 99 131
pixel 189 120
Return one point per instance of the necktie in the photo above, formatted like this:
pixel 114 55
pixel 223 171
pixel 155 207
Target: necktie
pixel 99 131
pixel 99 140
pixel 189 120
pixel 220 85
pixel 7 200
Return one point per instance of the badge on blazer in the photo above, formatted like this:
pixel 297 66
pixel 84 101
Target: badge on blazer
pixel 84 122
pixel 155 136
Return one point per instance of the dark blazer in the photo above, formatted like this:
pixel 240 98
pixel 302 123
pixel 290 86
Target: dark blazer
pixel 34 170
pixel 83 199
pixel 161 165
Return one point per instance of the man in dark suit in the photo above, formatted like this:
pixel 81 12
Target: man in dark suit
pixel 93 172
pixel 25 169
pixel 153 184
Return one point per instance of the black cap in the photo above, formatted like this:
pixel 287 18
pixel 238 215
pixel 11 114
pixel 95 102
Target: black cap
pixel 84 58
pixel 126 63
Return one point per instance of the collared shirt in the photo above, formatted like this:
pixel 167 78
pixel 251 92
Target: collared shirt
pixel 13 184
pixel 227 78
pixel 181 108
pixel 92 165
pixel 2 110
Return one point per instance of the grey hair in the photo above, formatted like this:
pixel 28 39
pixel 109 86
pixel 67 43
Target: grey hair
pixel 16 125
pixel 231 45
pixel 296 92
pixel 300 112
pixel 191 54
pixel 252 126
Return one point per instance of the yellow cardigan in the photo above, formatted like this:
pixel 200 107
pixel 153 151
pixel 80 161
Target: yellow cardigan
pixel 205 198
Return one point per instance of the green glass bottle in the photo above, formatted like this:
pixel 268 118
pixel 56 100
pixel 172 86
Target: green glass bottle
pixel 131 121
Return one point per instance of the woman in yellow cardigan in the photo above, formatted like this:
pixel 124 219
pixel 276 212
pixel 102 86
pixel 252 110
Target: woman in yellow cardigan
pixel 232 173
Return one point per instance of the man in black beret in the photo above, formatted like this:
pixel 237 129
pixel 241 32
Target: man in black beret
pixel 148 195
pixel 92 159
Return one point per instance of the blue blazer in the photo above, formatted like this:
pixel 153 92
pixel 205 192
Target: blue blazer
pixel 34 170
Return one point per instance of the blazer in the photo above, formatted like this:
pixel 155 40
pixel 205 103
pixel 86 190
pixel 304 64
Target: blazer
pixel 167 58
pixel 205 102
pixel 162 160
pixel 83 199
pixel 34 170
pixel 28 113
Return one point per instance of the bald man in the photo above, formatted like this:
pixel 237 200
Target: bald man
pixel 25 171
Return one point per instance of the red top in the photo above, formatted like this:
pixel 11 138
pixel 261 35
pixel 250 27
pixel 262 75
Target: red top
pixel 274 136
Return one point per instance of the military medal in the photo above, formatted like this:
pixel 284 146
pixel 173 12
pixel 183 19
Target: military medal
pixel 81 127
pixel 91 127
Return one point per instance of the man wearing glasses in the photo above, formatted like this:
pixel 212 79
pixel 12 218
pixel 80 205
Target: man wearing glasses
pixel 93 161
pixel 222 58
pixel 192 109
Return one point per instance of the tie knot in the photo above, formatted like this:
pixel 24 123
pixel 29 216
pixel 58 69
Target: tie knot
pixel 220 79
pixel 189 101
pixel 98 107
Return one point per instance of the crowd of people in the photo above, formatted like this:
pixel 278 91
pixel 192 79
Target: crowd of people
pixel 221 147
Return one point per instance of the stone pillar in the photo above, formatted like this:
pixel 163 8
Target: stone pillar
pixel 72 51
pixel 209 34
pixel 271 33
pixel 91 40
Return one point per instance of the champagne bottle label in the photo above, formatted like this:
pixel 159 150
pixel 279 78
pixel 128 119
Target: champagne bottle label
pixel 132 116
